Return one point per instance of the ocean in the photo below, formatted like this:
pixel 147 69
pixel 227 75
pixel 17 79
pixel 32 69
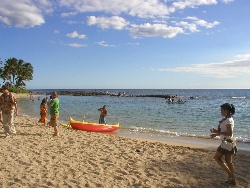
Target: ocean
pixel 155 117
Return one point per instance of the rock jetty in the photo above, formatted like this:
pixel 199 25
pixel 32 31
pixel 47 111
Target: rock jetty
pixel 85 93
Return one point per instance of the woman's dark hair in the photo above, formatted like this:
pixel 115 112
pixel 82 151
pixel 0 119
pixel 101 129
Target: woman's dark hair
pixel 229 107
pixel 43 101
pixel 5 87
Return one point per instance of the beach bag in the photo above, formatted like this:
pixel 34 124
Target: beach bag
pixel 227 144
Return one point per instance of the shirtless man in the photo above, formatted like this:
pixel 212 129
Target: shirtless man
pixel 104 113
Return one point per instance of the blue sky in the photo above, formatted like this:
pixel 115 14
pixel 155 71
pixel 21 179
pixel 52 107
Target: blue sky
pixel 135 44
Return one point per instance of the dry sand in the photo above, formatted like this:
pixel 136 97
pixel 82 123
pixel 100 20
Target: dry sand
pixel 35 158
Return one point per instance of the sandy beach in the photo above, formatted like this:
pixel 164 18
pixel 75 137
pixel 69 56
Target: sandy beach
pixel 35 158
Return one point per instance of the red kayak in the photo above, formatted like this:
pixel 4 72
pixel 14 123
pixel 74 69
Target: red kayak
pixel 92 127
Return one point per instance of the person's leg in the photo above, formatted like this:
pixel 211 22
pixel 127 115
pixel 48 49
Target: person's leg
pixel 11 123
pixel 6 125
pixel 40 120
pixel 229 161
pixel 43 118
pixel 56 131
pixel 218 158
pixel 54 123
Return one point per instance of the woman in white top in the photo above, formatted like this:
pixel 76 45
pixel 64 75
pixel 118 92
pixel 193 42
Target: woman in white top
pixel 225 131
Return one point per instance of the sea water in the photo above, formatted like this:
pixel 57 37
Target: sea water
pixel 155 116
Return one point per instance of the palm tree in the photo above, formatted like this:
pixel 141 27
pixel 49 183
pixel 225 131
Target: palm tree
pixel 25 72
pixel 16 72
pixel 7 70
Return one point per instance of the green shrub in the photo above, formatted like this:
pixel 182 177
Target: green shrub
pixel 18 90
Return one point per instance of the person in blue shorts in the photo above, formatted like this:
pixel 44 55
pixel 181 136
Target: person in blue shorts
pixel 103 114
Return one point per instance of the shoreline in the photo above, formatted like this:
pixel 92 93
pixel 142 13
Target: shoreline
pixel 190 142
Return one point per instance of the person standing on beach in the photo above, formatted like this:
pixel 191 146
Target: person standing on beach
pixel 54 112
pixel 43 111
pixel 8 105
pixel 103 114
pixel 225 131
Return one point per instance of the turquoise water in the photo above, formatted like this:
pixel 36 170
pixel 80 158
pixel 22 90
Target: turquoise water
pixel 154 115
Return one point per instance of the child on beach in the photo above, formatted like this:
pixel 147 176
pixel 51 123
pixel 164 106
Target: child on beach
pixel 225 131
pixel 43 111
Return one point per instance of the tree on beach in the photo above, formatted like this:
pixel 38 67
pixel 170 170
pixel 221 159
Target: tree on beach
pixel 14 72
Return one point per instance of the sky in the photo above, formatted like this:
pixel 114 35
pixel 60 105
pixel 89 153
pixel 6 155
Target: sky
pixel 133 44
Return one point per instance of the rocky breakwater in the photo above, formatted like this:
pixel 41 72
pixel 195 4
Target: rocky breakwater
pixel 93 93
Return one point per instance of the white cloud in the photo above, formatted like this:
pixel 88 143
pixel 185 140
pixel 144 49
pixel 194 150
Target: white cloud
pixel 195 23
pixel 229 69
pixel 45 5
pixel 114 22
pixel 182 4
pixel 30 13
pixel 67 14
pixel 24 13
pixel 190 26
pixel 202 23
pixel 77 45
pixel 103 43
pixel 153 30
pixel 206 24
pixel 76 35
pixel 139 8
pixel 243 56
pixel 227 1
pixel 133 44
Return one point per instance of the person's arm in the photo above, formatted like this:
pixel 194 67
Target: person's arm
pixel 45 107
pixel 215 132
pixel 16 108
pixel 15 105
pixel 229 132
pixel 50 103
pixel 214 135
